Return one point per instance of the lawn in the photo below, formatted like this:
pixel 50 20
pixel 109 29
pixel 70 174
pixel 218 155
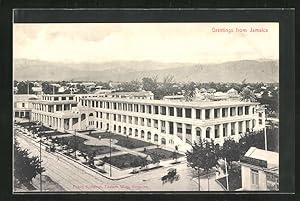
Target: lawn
pixel 123 140
pixel 88 149
pixel 24 124
pixel 54 133
pixel 125 161
pixel 41 128
pixel 161 153
pixel 234 179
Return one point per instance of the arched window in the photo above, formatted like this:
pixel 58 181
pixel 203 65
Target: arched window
pixel 130 131
pixel 119 129
pixel 149 135
pixel 124 130
pixel 163 141
pixel 155 138
pixel 198 132
pixel 208 132
pixel 136 133
pixel 91 114
pixel 142 134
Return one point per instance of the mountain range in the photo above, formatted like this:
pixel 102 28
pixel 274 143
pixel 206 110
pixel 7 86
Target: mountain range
pixel 119 71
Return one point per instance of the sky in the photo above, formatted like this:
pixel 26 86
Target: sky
pixel 161 42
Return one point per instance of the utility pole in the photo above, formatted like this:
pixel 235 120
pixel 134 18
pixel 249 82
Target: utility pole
pixel 75 147
pixel 199 179
pixel 226 172
pixel 27 87
pixel 265 134
pixel 110 155
pixel 41 165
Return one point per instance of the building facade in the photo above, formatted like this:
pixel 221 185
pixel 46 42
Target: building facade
pixel 166 123
pixel 260 170
pixel 176 123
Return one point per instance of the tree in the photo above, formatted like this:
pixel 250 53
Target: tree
pixel 231 151
pixel 130 86
pixel 202 156
pixel 48 88
pixel 25 167
pixel 247 95
pixel 189 91
pixel 150 84
pixel 155 158
pixel 175 156
pixel 24 86
pixel 257 139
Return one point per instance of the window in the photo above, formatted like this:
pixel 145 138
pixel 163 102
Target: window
pixel 240 111
pixel 216 113
pixel 217 134
pixel 224 112
pixel 179 128
pixel 130 107
pixel 130 120
pixel 188 112
pixel 163 110
pixel 136 107
pixel 149 109
pixel 246 110
pixel 56 99
pixel 155 123
pixel 171 111
pixel 198 114
pixel 260 114
pixel 179 112
pixel 155 109
pixel 149 122
pixel 232 111
pixel 23 104
pixel 260 121
pixel 254 178
pixel 207 111
pixel 70 98
pixel 143 108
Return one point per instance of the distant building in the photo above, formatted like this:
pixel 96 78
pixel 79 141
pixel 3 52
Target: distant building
pixel 260 170
pixel 23 105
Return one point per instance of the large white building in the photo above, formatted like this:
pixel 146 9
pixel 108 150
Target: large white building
pixel 167 123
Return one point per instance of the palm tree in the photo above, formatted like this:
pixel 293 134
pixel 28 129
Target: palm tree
pixel 247 95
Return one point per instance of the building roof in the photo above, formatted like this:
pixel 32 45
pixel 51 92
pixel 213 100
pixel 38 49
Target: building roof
pixel 232 90
pixel 272 158
pixel 24 97
pixel 174 96
pixel 198 104
pixel 135 93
